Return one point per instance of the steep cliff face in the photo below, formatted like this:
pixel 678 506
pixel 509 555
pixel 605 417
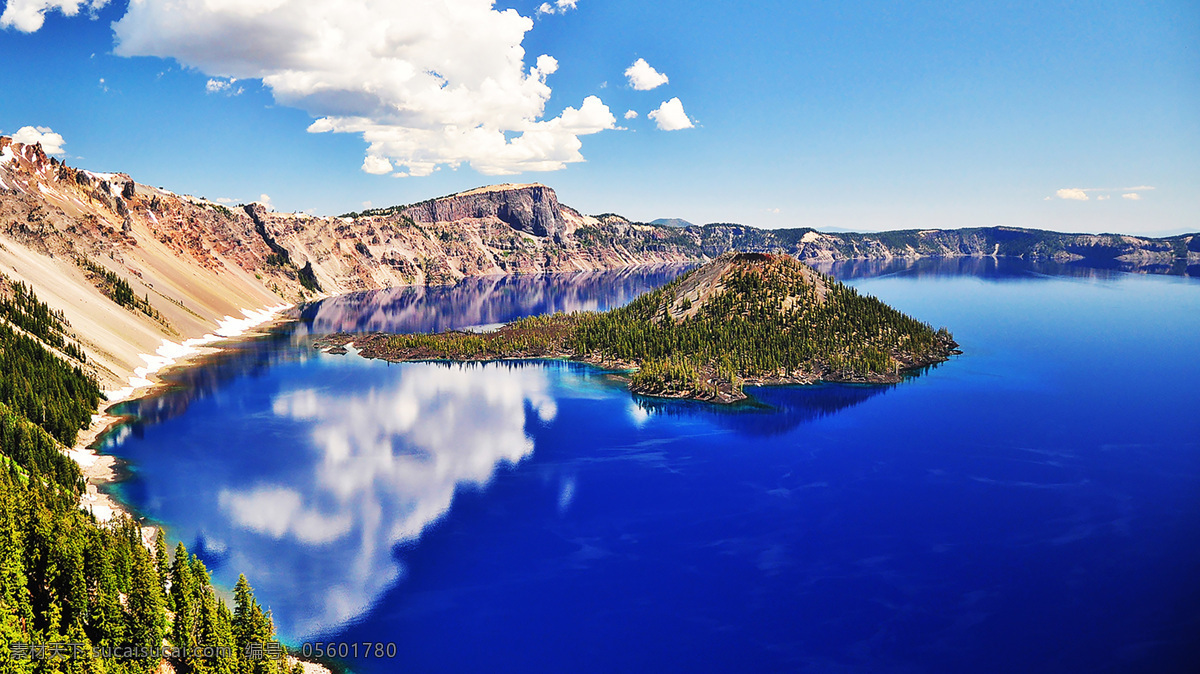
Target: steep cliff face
pixel 481 232
pixel 533 209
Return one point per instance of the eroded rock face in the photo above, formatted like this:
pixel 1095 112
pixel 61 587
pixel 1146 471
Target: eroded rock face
pixel 532 209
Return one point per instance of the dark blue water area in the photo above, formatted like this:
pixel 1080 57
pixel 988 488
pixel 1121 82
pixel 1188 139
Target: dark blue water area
pixel 1032 505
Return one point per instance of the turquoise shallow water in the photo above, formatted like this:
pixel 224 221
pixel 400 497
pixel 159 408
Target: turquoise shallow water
pixel 1033 505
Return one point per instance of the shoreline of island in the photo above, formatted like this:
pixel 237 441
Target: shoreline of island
pixel 374 346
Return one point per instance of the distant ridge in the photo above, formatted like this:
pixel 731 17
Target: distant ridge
pixel 672 222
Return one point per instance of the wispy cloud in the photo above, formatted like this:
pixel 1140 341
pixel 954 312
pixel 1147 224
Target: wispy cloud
pixel 559 7
pixel 1072 193
pixel 28 16
pixel 223 86
pixel 1104 193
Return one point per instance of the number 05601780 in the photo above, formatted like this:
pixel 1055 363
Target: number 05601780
pixel 342 649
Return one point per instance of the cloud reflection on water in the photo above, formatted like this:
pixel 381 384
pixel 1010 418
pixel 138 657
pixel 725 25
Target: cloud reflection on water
pixel 383 465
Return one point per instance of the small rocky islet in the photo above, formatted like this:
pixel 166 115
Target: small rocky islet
pixel 740 319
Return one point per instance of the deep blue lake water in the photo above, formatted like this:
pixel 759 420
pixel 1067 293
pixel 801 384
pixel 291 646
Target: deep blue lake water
pixel 1031 506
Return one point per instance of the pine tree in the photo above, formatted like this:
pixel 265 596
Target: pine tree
pixel 162 564
pixel 146 624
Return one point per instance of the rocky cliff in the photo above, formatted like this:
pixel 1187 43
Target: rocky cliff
pixel 533 209
pixel 84 240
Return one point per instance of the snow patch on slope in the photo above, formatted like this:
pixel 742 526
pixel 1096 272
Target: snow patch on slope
pixel 168 353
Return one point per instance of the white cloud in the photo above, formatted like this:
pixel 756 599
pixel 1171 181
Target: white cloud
pixel 279 511
pixel 1081 193
pixel 28 16
pixel 225 86
pixel 52 143
pixel 376 165
pixel 1072 193
pixel 425 82
pixel 670 116
pixel 643 77
pixel 559 7
pixel 631 114
pixel 224 200
pixel 367 204
pixel 265 201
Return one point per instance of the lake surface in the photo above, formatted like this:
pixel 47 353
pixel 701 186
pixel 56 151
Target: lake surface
pixel 1032 505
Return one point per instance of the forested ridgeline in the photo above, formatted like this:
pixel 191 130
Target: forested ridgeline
pixel 77 596
pixel 741 317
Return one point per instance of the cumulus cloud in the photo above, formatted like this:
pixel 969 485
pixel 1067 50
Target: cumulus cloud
pixel 559 7
pixel 670 116
pixel 376 165
pixel 28 16
pixel 265 201
pixel 1132 196
pixel 631 114
pixel 52 143
pixel 1104 197
pixel 1073 194
pixel 643 77
pixel 426 83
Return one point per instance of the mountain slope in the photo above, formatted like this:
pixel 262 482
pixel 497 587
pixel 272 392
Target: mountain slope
pixel 139 271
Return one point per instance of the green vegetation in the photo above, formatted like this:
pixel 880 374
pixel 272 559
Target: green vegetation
pixel 43 388
pixel 761 317
pixel 19 307
pixel 67 580
pixel 118 290
pixel 775 319
pixel 64 579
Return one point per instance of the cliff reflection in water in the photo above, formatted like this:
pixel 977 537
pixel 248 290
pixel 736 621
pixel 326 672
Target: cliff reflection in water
pixel 482 301
pixel 473 302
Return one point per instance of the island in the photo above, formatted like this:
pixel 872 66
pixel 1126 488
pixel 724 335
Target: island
pixel 740 319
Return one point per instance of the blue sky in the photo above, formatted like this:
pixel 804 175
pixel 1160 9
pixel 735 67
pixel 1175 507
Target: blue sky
pixel 866 115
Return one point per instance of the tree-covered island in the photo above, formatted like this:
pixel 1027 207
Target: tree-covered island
pixel 743 318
